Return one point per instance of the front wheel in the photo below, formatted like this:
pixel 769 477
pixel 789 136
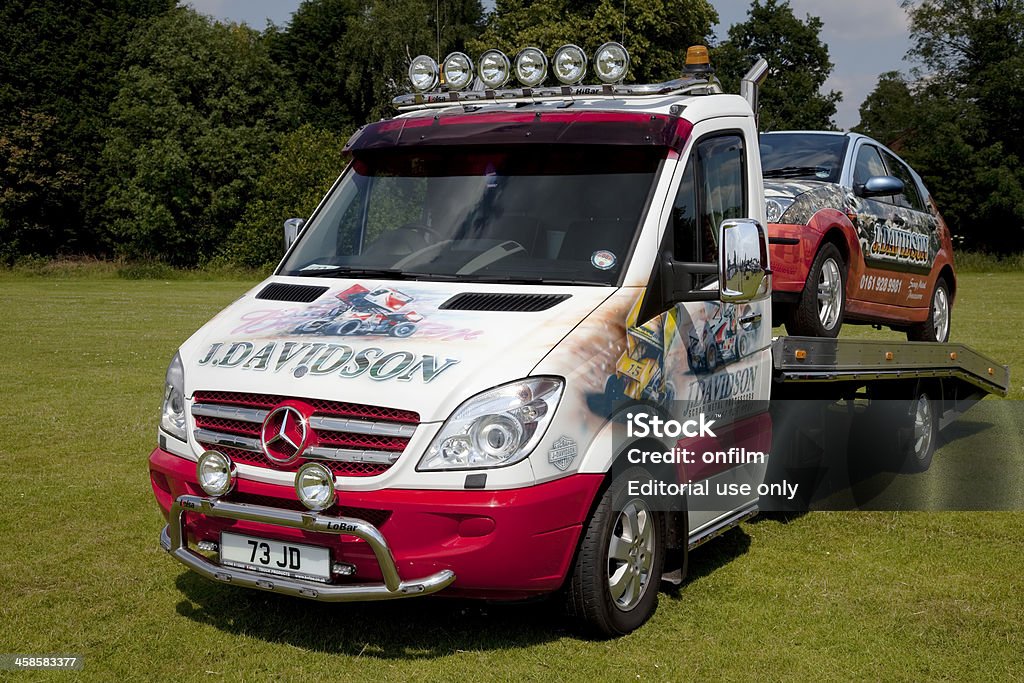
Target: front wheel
pixel 936 327
pixel 614 584
pixel 823 300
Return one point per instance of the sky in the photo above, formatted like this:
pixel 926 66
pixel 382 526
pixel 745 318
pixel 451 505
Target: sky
pixel 865 37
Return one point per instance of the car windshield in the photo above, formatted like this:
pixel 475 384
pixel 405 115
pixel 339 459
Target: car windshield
pixel 809 156
pixel 521 213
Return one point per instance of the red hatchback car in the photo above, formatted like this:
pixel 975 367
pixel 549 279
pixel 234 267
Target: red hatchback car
pixel 854 236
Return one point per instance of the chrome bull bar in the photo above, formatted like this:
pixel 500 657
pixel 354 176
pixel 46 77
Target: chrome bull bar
pixel 174 540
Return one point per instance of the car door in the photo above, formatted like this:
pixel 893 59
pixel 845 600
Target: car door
pixel 882 228
pixel 719 357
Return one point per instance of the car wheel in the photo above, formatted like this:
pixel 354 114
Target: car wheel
pixel 403 330
pixel 823 301
pixel 711 358
pixel 614 584
pixel 936 327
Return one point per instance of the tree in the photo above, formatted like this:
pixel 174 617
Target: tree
pixel 191 130
pixel 350 58
pixel 656 33
pixel 309 49
pixel 958 122
pixel 385 38
pixel 798 66
pixel 297 176
pixel 58 64
pixel 37 180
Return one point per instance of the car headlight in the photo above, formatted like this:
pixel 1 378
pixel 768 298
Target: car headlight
pixel 777 207
pixel 172 415
pixel 496 428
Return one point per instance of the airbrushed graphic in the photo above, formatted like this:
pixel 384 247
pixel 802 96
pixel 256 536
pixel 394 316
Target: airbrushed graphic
pixel 362 311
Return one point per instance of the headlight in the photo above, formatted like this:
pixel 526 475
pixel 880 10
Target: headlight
pixel 776 208
pixel 215 473
pixel 172 415
pixel 496 428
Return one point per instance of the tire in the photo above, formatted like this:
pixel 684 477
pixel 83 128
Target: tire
pixel 936 327
pixel 825 287
pixel 613 592
pixel 403 330
pixel 712 357
pixel 920 434
pixel 905 431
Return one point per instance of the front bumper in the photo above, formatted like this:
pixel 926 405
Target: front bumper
pixel 174 539
pixel 500 544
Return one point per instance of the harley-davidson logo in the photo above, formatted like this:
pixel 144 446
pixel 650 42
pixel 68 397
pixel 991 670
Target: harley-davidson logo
pixel 563 452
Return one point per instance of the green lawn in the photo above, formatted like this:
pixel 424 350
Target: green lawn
pixel 876 596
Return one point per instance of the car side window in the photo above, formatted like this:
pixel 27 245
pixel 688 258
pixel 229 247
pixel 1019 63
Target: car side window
pixel 713 189
pixel 910 197
pixel 869 164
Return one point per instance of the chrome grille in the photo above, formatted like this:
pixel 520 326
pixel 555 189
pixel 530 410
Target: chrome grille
pixel 352 440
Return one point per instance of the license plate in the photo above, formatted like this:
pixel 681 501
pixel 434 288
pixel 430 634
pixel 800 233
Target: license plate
pixel 280 558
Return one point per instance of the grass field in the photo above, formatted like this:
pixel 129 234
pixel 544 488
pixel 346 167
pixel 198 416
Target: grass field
pixel 823 596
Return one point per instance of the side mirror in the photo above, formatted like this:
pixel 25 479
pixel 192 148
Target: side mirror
pixel 292 229
pixel 879 186
pixel 743 273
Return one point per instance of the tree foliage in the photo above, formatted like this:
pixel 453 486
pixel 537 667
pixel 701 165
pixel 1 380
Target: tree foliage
pixel 307 162
pixel 190 131
pixel 655 32
pixel 58 63
pixel 958 121
pixel 798 66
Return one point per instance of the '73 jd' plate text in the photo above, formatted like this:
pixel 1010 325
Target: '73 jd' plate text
pixel 268 556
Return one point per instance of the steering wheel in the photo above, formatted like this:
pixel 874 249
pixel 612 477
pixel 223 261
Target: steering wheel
pixel 424 231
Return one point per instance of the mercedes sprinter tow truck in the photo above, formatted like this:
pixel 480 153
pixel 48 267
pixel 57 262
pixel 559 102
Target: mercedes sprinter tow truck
pixel 569 250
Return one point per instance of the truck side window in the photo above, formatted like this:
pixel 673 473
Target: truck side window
pixel 712 190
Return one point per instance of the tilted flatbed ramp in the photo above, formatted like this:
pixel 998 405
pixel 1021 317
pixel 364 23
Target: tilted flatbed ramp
pixel 812 359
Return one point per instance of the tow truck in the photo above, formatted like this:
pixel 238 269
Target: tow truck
pixel 564 245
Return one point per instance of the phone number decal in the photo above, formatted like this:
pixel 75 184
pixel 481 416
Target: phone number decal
pixel 887 285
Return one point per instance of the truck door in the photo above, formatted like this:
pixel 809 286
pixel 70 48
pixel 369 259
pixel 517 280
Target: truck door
pixel 719 357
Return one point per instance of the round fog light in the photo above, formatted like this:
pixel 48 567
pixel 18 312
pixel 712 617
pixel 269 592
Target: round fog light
pixel 423 73
pixel 216 473
pixel 611 62
pixel 531 67
pixel 570 64
pixel 314 485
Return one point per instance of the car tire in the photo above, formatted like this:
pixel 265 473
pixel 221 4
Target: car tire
pixel 613 587
pixel 825 287
pixel 936 327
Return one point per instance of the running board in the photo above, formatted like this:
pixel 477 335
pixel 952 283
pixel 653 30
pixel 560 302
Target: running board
pixel 704 535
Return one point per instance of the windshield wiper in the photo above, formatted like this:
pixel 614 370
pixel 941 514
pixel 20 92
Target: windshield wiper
pixel 392 273
pixel 535 280
pixel 794 171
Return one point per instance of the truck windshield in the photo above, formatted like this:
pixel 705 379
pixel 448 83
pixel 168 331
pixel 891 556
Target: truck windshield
pixel 809 156
pixel 553 214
